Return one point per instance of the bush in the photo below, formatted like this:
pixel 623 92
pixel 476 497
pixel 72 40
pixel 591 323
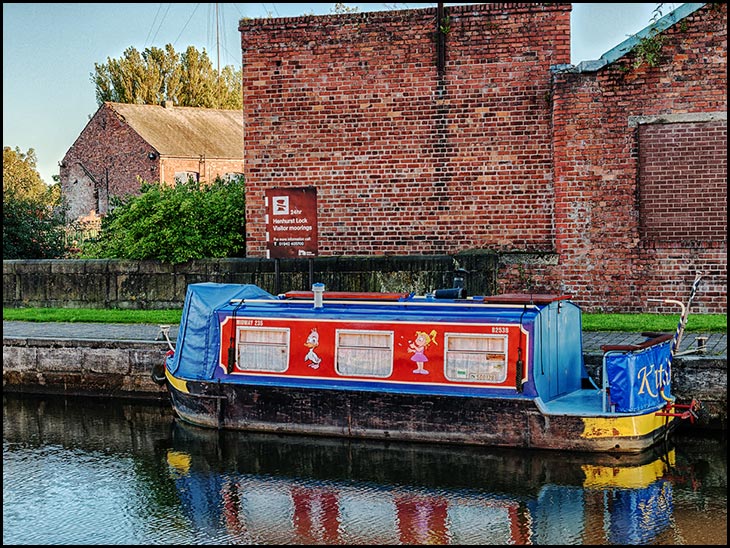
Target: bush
pixel 174 223
pixel 32 228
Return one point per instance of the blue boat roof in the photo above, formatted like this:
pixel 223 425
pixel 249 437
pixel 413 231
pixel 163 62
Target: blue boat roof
pixel 504 308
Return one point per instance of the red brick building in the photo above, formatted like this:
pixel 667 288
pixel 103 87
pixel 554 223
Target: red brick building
pixel 640 166
pixel 125 144
pixel 468 130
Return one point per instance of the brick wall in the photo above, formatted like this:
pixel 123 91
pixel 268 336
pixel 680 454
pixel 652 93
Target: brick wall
pixel 405 160
pixel 105 160
pixel 610 122
pixel 682 168
pixel 206 169
pixel 495 153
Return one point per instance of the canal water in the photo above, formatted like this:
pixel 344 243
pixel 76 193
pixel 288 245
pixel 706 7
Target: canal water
pixel 87 471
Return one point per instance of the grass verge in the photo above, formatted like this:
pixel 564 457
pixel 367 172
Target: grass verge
pixel 630 323
pixel 92 315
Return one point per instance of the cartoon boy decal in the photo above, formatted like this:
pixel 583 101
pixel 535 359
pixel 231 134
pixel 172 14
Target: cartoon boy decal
pixel 311 358
pixel 419 346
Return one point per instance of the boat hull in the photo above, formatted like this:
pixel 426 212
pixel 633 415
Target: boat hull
pixel 495 422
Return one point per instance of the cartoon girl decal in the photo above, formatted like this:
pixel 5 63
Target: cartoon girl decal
pixel 418 347
pixel 311 358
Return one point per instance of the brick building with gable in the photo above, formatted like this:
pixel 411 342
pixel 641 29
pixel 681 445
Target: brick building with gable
pixel 124 144
pixel 470 131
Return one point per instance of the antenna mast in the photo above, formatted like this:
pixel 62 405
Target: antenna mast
pixel 217 40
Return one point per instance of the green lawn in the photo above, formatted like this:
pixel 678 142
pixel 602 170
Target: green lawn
pixel 635 323
pixel 700 323
pixel 73 315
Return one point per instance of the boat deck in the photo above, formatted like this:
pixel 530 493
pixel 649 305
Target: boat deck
pixel 585 402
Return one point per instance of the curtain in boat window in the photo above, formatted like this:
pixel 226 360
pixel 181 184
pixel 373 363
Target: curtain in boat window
pixel 364 353
pixel 475 357
pixel 262 349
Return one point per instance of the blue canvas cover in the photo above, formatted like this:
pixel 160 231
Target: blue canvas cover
pixel 636 378
pixel 198 342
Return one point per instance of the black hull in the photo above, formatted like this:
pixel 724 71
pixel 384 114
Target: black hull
pixel 388 416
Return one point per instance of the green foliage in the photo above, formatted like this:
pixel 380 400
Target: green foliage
pixel 157 75
pixel 445 25
pixel 20 175
pixel 649 49
pixel 33 223
pixel 344 8
pixel 174 223
pixel 32 228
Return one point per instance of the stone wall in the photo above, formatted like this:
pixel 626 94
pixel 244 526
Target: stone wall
pixel 88 367
pixel 71 283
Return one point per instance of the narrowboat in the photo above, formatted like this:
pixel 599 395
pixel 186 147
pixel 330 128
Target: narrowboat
pixel 502 370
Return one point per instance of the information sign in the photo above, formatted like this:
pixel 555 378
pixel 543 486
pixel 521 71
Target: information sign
pixel 291 222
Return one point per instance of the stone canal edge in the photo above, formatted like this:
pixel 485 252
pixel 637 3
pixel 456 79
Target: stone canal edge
pixel 121 368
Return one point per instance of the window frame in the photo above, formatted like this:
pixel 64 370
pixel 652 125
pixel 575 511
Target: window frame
pixel 482 336
pixel 389 349
pixel 286 345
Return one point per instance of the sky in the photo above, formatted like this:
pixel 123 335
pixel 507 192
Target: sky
pixel 49 52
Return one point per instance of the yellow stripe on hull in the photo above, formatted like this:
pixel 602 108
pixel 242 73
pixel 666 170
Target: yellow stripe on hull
pixel 623 427
pixel 178 384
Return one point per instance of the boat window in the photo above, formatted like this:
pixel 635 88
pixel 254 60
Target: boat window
pixel 364 353
pixel 262 348
pixel 475 357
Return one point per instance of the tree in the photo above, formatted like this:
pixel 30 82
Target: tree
pixel 33 216
pixel 344 8
pixel 157 75
pixel 174 223
pixel 20 175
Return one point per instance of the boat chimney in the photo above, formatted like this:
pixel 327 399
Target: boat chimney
pixel 318 290
pixel 459 275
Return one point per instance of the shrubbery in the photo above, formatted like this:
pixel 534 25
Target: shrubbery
pixel 174 223
pixel 33 215
pixel 32 228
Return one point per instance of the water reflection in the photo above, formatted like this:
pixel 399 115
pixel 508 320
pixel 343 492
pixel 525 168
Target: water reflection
pixel 132 474
pixel 277 490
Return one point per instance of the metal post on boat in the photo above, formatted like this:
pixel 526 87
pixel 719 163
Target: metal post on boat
pixel 318 290
pixel 701 341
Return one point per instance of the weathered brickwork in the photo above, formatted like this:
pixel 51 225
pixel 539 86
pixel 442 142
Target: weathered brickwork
pixel 599 119
pixel 405 160
pixel 496 152
pixel 105 160
pixel 683 167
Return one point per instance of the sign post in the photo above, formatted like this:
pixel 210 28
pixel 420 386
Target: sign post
pixel 291 224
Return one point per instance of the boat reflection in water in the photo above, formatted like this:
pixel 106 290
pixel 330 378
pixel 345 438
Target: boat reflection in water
pixel 270 489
